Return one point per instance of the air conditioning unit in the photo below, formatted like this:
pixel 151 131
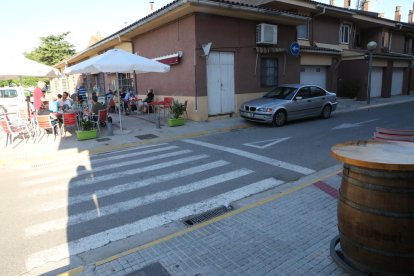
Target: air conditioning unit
pixel 266 34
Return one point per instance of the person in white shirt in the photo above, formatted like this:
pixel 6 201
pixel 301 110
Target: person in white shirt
pixel 67 103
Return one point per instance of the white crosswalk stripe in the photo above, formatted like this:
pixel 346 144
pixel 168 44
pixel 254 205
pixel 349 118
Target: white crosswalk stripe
pixel 100 239
pixel 92 201
pixel 52 205
pixel 130 204
pixel 117 175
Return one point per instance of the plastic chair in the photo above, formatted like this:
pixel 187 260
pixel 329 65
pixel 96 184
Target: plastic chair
pixel 44 122
pixel 10 130
pixel 166 105
pixel 101 120
pixel 26 120
pixel 185 108
pixel 68 119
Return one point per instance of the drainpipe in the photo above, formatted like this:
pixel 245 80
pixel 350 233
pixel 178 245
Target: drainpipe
pixel 318 14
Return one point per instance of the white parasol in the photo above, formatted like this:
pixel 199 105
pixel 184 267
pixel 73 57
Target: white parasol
pixel 118 61
pixel 15 67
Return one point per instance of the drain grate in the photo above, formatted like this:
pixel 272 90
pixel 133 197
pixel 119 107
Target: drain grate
pixel 151 269
pixel 208 215
pixel 146 136
pixel 103 139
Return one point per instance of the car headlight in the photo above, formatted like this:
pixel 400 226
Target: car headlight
pixel 265 109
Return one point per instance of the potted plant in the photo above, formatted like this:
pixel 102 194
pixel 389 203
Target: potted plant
pixel 87 131
pixel 177 111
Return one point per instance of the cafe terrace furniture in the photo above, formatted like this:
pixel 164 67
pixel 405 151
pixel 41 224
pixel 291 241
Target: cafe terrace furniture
pixel 10 130
pixel 68 119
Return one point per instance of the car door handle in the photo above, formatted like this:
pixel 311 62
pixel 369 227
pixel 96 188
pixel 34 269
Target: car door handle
pixel 323 98
pixel 309 101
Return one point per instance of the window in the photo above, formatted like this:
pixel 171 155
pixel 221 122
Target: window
pixel 344 33
pixel 269 72
pixel 125 82
pixel 317 92
pixel 304 93
pixel 385 39
pixel 303 31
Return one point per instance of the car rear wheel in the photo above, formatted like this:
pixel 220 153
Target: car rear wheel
pixel 326 112
pixel 279 119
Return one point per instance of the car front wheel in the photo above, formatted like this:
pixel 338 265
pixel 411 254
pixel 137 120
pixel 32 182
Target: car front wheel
pixel 279 119
pixel 326 112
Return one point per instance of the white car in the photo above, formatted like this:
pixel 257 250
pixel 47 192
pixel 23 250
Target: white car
pixel 10 99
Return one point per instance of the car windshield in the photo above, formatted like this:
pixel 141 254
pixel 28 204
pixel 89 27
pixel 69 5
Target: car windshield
pixel 284 93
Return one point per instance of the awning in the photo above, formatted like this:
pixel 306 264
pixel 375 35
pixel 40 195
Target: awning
pixel 269 50
pixel 329 46
pixel 170 59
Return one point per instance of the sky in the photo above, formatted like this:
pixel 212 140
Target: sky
pixel 24 22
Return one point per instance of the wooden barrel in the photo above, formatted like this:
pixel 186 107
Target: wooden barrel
pixel 376 206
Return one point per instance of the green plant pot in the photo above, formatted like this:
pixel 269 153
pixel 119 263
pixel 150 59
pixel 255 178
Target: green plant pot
pixel 176 122
pixel 86 134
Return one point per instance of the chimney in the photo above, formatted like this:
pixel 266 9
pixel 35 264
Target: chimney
pixel 410 17
pixel 365 5
pixel 381 15
pixel 151 6
pixel 332 2
pixel 397 16
pixel 347 4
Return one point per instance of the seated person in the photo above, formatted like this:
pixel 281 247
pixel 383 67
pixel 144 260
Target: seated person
pixel 67 103
pixel 80 107
pixel 54 105
pixel 96 106
pixel 148 99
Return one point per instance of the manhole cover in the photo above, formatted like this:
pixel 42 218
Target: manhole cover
pixel 154 269
pixel 103 139
pixel 208 215
pixel 146 136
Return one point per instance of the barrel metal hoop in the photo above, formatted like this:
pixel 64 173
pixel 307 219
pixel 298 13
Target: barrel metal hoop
pixel 372 210
pixel 378 173
pixel 375 187
pixel 373 250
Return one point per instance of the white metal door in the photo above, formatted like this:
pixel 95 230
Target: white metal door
pixel 397 81
pixel 313 75
pixel 376 82
pixel 220 83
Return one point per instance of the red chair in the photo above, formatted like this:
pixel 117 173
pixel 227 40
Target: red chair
pixel 10 130
pixel 166 105
pixel 101 120
pixel 44 122
pixel 68 119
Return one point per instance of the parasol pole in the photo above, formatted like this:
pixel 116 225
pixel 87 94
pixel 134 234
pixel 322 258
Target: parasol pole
pixel 119 102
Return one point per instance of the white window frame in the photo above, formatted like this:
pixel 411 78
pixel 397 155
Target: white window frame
pixel 344 36
pixel 306 26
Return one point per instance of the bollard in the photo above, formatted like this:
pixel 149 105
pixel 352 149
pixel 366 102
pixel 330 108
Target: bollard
pixel 157 121
pixel 110 130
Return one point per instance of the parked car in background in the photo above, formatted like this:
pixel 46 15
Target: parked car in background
pixel 290 102
pixel 10 99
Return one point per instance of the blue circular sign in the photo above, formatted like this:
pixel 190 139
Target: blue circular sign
pixel 295 49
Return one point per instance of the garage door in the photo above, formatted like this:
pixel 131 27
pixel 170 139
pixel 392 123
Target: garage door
pixel 376 82
pixel 397 81
pixel 313 75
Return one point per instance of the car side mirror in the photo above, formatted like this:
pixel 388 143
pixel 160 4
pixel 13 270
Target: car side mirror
pixel 298 98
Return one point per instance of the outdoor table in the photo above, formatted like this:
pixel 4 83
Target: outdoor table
pixel 376 207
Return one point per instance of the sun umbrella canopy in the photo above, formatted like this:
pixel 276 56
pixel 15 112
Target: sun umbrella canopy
pixel 118 61
pixel 14 67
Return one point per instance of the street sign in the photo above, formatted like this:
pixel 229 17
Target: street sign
pixel 295 49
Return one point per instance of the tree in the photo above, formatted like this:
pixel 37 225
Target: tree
pixel 52 50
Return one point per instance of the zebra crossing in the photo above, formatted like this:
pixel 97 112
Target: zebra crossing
pixel 116 195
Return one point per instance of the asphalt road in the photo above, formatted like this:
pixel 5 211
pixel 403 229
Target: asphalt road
pixel 83 209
